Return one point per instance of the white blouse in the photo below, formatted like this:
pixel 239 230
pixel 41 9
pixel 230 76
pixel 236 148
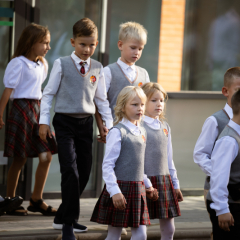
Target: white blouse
pixel 156 124
pixel 113 148
pixel 25 77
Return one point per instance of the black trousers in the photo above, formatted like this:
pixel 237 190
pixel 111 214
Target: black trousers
pixel 220 234
pixel 74 138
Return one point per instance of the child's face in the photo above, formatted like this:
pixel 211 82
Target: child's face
pixel 134 109
pixel 131 50
pixel 155 105
pixel 41 48
pixel 229 91
pixel 85 46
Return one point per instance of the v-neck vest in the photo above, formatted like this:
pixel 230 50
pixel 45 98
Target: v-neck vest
pixel 76 91
pixel 120 81
pixel 130 163
pixel 156 154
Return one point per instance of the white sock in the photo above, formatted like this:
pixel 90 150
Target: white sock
pixel 114 233
pixel 167 228
pixel 139 233
pixel 1 199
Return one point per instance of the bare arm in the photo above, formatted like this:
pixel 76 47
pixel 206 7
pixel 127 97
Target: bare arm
pixel 3 102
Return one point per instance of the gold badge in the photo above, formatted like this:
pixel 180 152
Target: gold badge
pixel 92 79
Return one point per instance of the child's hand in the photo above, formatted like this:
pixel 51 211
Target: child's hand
pixel 155 195
pixel 44 130
pixel 179 195
pixel 225 221
pixel 119 201
pixel 149 192
pixel 1 123
pixel 103 131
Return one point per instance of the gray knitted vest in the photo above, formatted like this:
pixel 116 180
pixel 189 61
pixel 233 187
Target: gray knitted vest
pixel 76 91
pixel 156 159
pixel 130 163
pixel 222 120
pixel 120 81
pixel 235 167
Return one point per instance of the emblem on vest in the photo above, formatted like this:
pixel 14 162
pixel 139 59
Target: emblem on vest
pixel 143 138
pixel 165 132
pixel 92 79
pixel 140 84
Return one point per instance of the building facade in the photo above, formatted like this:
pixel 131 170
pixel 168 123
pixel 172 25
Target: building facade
pixel 191 44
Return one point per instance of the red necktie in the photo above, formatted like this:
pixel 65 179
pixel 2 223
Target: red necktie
pixel 82 70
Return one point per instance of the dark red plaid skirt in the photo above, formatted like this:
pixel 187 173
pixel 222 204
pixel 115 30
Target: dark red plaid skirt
pixel 21 136
pixel 167 204
pixel 135 213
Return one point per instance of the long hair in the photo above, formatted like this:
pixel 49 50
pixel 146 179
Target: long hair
pixel 124 96
pixel 149 89
pixel 32 34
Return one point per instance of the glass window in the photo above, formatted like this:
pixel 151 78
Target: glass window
pixel 60 19
pixel 147 13
pixel 211 43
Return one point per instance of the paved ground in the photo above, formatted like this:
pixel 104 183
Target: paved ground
pixel 193 224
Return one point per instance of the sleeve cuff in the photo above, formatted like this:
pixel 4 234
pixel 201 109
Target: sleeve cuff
pixel 44 120
pixel 222 211
pixel 147 183
pixel 114 190
pixel 109 124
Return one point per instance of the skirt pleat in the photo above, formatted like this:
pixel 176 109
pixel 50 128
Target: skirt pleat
pixel 133 215
pixel 22 131
pixel 167 204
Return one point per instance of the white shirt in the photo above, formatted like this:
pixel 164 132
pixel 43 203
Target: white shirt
pixel 224 152
pixel 25 77
pixel 156 124
pixel 129 71
pixel 112 152
pixel 51 89
pixel 204 146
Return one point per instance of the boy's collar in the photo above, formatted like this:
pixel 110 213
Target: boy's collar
pixel 78 60
pixel 124 65
pixel 229 111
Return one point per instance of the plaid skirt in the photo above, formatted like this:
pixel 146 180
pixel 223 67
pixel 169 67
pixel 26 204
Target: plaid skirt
pixel 135 213
pixel 21 135
pixel 167 204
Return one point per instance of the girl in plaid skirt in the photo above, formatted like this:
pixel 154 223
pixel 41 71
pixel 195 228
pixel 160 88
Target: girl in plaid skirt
pixel 159 165
pixel 23 79
pixel 122 202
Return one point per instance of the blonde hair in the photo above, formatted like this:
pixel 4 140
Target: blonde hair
pixel 149 89
pixel 132 30
pixel 124 96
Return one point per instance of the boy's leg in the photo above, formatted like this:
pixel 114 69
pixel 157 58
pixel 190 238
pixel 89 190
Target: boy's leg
pixel 139 233
pixel 114 233
pixel 167 228
pixel 235 211
pixel 65 128
pixel 205 200
pixel 218 233
pixel 83 144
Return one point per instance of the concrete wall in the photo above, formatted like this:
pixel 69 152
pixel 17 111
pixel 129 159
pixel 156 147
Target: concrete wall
pixel 186 117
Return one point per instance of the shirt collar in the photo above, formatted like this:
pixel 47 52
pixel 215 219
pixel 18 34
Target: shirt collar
pixel 130 126
pixel 229 111
pixel 150 120
pixel 123 65
pixel 235 126
pixel 29 63
pixel 78 60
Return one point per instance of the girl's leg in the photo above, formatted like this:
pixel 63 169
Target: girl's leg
pixel 114 233
pixel 167 228
pixel 139 233
pixel 13 175
pixel 41 174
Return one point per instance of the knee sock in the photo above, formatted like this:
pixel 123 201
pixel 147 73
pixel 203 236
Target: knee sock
pixel 139 233
pixel 167 228
pixel 114 233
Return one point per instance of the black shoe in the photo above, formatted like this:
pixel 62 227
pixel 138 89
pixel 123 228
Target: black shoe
pixel 10 204
pixel 57 224
pixel 67 232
